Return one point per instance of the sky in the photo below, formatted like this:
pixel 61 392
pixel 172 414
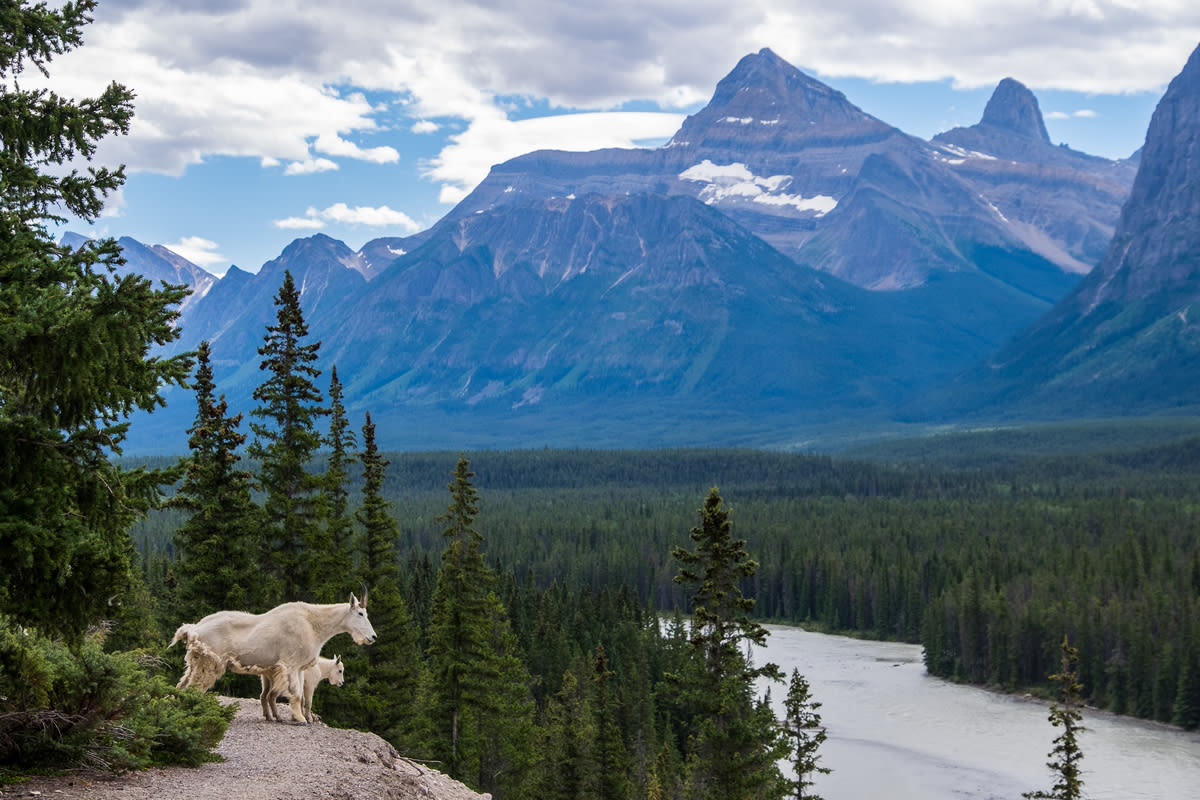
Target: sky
pixel 261 121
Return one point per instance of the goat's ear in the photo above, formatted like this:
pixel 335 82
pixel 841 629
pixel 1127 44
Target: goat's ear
pixel 353 600
pixel 337 659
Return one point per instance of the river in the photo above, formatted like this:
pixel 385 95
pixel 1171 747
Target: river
pixel 896 733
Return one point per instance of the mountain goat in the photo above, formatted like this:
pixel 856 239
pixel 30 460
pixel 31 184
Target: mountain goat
pixel 277 645
pixel 326 669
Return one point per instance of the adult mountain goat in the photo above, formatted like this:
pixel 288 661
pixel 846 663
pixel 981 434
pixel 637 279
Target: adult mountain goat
pixel 277 645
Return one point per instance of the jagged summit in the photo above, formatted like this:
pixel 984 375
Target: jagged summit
pixel 1157 242
pixel 1124 340
pixel 1014 108
pixel 766 90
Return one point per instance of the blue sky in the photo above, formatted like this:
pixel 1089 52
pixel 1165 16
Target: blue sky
pixel 260 121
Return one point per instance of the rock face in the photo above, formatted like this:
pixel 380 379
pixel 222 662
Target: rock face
pixel 1126 339
pixel 1014 109
pixel 1061 203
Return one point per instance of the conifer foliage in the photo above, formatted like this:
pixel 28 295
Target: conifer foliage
pixel 479 709
pixel 735 744
pixel 75 338
pixel 220 546
pixel 802 724
pixel 286 441
pixel 1066 753
pixel 381 679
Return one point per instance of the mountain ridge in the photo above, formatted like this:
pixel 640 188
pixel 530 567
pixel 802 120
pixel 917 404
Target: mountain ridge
pixel 785 261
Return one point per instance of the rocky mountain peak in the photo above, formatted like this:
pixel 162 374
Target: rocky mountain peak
pixel 1014 108
pixel 765 92
pixel 1157 241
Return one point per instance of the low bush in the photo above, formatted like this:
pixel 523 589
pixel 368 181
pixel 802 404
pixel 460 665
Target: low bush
pixel 66 706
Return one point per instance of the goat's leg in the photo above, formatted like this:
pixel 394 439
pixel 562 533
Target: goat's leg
pixel 295 692
pixel 267 700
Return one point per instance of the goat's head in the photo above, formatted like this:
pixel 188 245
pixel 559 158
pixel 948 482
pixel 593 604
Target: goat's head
pixel 337 675
pixel 357 623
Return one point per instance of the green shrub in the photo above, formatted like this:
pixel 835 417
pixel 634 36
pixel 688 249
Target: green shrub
pixel 64 707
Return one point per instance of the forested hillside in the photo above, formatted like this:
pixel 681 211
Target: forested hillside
pixel 988 568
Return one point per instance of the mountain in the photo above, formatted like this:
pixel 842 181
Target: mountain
pixel 158 264
pixel 1062 203
pixel 798 165
pixel 1126 339
pixel 785 260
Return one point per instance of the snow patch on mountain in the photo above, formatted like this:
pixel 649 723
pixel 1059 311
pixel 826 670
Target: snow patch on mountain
pixel 734 182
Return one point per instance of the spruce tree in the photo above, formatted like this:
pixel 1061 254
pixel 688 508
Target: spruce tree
pixel 332 552
pixel 611 754
pixel 479 709
pixel 1066 754
pixel 802 724
pixel 567 764
pixel 75 343
pixel 220 544
pixel 735 743
pixel 286 440
pixel 458 637
pixel 381 680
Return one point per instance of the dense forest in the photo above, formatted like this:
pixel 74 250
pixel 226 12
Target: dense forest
pixel 988 569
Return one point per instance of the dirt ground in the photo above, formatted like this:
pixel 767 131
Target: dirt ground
pixel 269 761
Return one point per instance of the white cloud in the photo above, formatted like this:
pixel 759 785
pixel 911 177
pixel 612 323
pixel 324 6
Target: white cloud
pixel 256 79
pixel 334 145
pixel 1084 113
pixel 198 250
pixel 425 126
pixel 493 138
pixel 300 223
pixel 340 213
pixel 309 166
pixel 114 203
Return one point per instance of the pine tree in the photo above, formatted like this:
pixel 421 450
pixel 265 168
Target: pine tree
pixel 735 744
pixel 612 756
pixel 566 740
pixel 75 339
pixel 802 724
pixel 459 633
pixel 1065 714
pixel 220 544
pixel 285 444
pixel 332 553
pixel 479 708
pixel 383 677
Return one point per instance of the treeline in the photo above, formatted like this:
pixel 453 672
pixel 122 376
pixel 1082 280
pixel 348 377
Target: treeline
pixel 987 569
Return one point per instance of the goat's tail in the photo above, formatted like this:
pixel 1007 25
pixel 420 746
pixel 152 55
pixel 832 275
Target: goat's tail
pixel 182 634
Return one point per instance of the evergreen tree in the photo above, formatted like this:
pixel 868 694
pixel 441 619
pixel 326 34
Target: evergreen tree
pixel 1065 714
pixel 285 443
pixel 75 338
pixel 330 560
pixel 459 632
pixel 735 742
pixel 220 544
pixel 802 724
pixel 611 754
pixel 382 679
pixel 566 760
pixel 479 708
